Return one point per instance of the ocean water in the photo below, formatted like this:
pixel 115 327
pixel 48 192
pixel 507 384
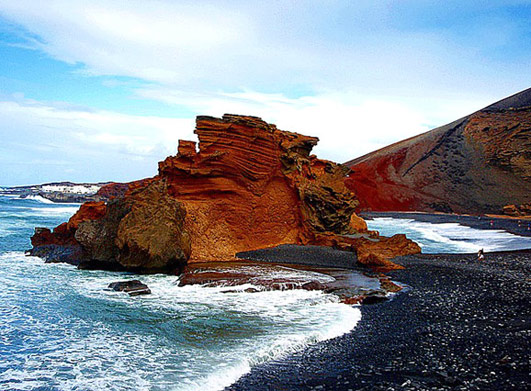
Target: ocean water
pixel 61 330
pixel 449 237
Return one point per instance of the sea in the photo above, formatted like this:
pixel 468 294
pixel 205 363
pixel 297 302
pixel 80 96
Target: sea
pixel 441 238
pixel 61 329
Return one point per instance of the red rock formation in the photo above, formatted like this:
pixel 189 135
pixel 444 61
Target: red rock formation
pixel 250 186
pixel 119 190
pixel 477 164
pixel 246 186
pixel 64 233
pixel 87 211
pixel 373 250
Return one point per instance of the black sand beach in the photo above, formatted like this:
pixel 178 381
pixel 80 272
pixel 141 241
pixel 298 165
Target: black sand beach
pixel 462 325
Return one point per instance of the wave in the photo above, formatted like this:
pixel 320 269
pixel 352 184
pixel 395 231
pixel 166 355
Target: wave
pixel 179 338
pixel 436 238
pixel 37 198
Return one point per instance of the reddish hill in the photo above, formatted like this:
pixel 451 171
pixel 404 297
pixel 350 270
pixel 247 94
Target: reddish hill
pixel 477 164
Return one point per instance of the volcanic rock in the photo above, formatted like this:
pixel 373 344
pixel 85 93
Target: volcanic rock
pixel 247 185
pixel 114 190
pixel 477 164
pixel 250 186
pixel 132 287
pixel 87 211
pixel 142 233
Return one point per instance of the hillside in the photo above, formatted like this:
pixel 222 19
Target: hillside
pixel 476 164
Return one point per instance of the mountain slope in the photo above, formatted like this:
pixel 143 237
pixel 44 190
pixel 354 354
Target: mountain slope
pixel 476 164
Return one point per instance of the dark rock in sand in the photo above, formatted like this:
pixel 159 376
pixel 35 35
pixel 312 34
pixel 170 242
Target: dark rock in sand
pixel 132 287
pixel 374 297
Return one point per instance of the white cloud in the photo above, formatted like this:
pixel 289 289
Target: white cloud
pixel 268 47
pixel 157 40
pixel 358 75
pixel 140 135
pixel 347 124
pixel 96 144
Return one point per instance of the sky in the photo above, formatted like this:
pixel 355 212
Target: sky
pixel 102 90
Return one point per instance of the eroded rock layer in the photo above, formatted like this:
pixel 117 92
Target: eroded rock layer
pixel 250 185
pixel 477 164
pixel 247 185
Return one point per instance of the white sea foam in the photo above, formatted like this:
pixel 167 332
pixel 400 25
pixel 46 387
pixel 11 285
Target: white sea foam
pixel 59 210
pixel 450 237
pixel 178 338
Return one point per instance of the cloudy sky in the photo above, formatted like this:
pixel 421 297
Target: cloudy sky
pixel 102 90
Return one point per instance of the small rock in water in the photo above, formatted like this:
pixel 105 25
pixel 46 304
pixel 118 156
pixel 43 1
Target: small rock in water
pixel 132 287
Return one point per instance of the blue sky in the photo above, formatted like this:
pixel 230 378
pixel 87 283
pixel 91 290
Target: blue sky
pixel 102 90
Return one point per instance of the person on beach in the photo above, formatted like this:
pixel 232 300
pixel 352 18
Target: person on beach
pixel 481 256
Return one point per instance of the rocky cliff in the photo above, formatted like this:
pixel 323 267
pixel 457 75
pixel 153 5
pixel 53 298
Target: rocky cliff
pixel 477 164
pixel 247 185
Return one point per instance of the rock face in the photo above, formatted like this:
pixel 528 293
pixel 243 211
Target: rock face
pixel 114 190
pixel 246 186
pixel 142 233
pixel 523 210
pixel 477 164
pixel 252 186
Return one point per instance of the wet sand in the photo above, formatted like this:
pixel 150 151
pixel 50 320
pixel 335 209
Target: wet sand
pixel 462 325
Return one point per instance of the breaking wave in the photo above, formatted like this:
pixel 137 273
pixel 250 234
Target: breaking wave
pixel 60 329
pixel 436 238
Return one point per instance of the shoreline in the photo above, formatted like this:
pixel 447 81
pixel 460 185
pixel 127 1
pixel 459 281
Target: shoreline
pixel 463 325
pixel 509 224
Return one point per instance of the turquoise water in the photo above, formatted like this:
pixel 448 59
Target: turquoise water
pixel 61 330
pixel 449 237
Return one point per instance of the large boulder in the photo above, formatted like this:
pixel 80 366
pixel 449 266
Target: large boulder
pixel 98 237
pixel 142 233
pixel 151 237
